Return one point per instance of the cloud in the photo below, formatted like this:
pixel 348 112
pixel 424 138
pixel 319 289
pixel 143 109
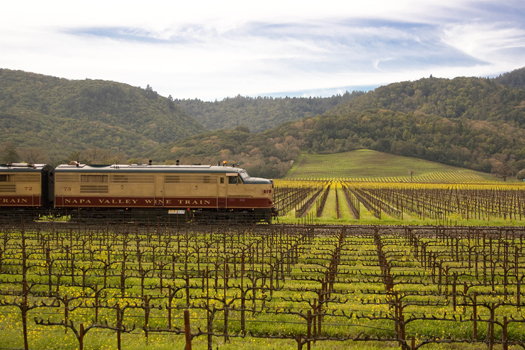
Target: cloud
pixel 115 33
pixel 216 49
pixel 498 41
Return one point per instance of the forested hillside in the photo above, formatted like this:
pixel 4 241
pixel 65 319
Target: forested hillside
pixel 444 97
pixel 514 79
pixel 475 123
pixel 261 113
pixel 60 116
pixel 271 153
pixel 468 122
pixel 466 98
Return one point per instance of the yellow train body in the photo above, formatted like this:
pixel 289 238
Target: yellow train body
pixel 201 188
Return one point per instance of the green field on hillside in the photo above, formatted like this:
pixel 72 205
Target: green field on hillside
pixel 369 164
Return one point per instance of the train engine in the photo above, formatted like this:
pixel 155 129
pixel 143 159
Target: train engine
pixel 167 192
pixel 26 190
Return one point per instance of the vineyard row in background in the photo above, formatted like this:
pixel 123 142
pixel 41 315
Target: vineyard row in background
pixel 444 204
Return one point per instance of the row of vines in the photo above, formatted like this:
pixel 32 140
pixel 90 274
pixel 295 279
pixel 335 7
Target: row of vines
pixel 433 202
pixel 312 285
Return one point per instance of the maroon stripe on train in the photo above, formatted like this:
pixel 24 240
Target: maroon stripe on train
pixel 20 201
pixel 150 202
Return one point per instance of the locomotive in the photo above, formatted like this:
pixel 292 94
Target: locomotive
pixel 136 192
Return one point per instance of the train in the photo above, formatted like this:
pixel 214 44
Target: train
pixel 135 193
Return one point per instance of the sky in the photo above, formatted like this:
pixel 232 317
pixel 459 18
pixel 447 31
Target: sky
pixel 216 49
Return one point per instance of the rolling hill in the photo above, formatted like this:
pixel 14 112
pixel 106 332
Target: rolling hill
pixel 361 165
pixel 472 123
pixel 466 98
pixel 61 116
pixel 471 98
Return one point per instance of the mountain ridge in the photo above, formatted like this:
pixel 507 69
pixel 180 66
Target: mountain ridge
pixel 56 113
pixel 474 123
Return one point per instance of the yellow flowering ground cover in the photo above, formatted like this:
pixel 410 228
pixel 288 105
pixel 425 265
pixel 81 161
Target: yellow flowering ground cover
pixel 261 287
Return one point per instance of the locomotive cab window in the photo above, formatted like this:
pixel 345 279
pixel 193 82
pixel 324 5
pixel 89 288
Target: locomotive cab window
pixel 234 180
pixel 244 175
pixel 94 178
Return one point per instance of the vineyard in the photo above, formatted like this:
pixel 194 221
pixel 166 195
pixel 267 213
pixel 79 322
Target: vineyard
pixel 373 166
pixel 304 287
pixel 399 203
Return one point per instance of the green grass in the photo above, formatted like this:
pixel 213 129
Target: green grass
pixel 369 164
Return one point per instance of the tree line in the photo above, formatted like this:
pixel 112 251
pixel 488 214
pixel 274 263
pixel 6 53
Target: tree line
pixel 260 113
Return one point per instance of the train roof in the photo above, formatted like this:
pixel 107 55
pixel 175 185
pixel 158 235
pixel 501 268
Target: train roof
pixel 23 167
pixel 146 168
pixel 132 168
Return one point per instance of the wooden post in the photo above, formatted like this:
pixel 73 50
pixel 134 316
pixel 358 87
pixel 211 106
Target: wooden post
pixel 119 323
pixel 491 326
pixel 96 303
pixel 504 334
pixel 24 308
pixel 243 299
pixel 187 330
pixel 440 268
pixel 146 315
pixel 402 326
pixel 319 311
pixel 309 328
pixel 396 317
pixel 187 287
pixel 518 293
pixel 454 291
pixel 66 309
pixel 81 337
pixel 169 306
pixel 475 315
pixel 315 318
pixel 465 290
pixel 226 315
pixel 516 261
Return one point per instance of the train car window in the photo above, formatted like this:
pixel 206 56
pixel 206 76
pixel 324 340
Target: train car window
pixel 222 180
pixel 93 178
pixel 7 178
pixel 232 179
